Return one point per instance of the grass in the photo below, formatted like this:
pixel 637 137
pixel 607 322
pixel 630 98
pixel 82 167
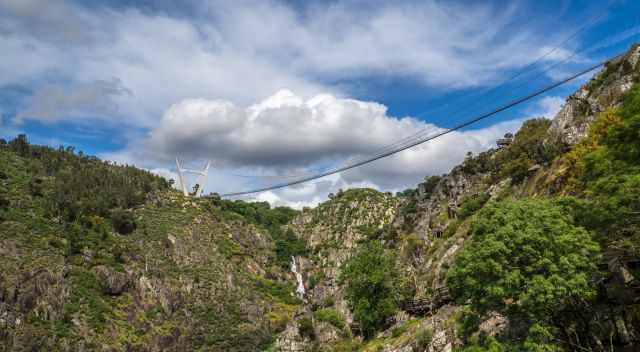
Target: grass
pixel 278 291
pixel 330 316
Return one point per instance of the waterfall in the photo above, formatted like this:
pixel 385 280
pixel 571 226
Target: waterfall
pixel 294 269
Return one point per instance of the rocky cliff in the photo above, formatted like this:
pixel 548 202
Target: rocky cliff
pixel 605 90
pixel 429 227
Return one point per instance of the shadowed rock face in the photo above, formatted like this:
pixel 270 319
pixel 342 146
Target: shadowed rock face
pixel 605 90
pixel 113 282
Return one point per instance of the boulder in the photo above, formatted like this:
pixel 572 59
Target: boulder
pixel 113 282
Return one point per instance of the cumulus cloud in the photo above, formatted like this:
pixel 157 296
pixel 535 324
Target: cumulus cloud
pixel 282 130
pixel 395 173
pixel 286 134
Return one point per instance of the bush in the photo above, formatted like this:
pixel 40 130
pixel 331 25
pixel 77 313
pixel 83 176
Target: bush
pixel 315 279
pixel 398 331
pixel 528 148
pixel 472 204
pixel 282 292
pixel 123 221
pixel 409 192
pixel 4 203
pixel 287 246
pixel 372 286
pixel 423 339
pixel 482 163
pixel 430 184
pixel 305 328
pixel 330 316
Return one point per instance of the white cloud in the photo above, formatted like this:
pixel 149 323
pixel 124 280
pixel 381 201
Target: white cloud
pixel 240 51
pixel 52 103
pixel 190 82
pixel 550 105
pixel 282 130
pixel 285 134
pixel 396 173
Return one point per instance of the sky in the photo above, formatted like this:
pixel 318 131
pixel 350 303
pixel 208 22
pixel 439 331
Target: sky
pixel 271 90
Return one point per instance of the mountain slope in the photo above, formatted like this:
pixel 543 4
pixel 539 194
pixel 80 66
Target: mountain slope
pixel 583 164
pixel 192 275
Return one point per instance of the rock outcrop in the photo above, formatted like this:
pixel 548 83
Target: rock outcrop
pixel 605 90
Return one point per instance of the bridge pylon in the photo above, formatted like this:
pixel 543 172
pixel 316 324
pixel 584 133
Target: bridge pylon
pixel 200 181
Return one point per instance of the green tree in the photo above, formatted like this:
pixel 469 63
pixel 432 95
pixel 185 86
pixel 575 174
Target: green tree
pixel 605 173
pixel 528 148
pixel 527 260
pixel 471 204
pixel 372 286
pixel 123 221
pixel 287 245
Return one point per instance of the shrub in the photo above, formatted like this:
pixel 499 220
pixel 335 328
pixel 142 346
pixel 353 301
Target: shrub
pixel 430 184
pixel 482 163
pixel 4 203
pixel 409 192
pixel 528 148
pixel 278 291
pixel 330 316
pixel 398 330
pixel 36 187
pixel 347 345
pixel 315 279
pixel 305 328
pixel 123 221
pixel 78 237
pixel 372 286
pixel 287 245
pixel 414 245
pixel 423 339
pixel 472 204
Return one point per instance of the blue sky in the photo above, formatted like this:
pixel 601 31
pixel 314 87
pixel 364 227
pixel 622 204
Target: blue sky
pixel 282 87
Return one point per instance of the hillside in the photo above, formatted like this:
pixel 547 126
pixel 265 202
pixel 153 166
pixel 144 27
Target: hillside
pixel 534 246
pixel 162 273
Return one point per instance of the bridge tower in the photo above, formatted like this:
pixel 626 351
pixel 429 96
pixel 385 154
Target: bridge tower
pixel 200 181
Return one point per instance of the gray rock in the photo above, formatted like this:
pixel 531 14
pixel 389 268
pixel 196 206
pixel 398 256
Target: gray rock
pixel 113 282
pixel 571 123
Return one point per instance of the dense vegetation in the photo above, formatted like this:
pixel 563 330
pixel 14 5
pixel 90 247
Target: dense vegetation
pixel 528 261
pixel 373 288
pixel 528 149
pixel 606 176
pixel 287 243
pixel 76 186
pixel 97 254
pixel 535 260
